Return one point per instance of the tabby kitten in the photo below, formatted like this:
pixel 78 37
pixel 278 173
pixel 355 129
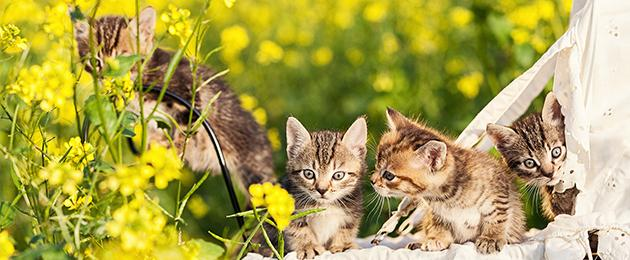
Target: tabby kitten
pixel 534 148
pixel 244 142
pixel 471 196
pixel 324 170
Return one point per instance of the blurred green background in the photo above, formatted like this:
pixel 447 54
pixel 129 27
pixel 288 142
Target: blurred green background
pixel 328 62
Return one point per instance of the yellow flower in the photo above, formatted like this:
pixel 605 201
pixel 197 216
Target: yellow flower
pixel 129 180
pixel 520 36
pixel 120 89
pixel 10 40
pixel 539 45
pixel 62 174
pixel 375 11
pixel 248 102
pixel 75 202
pixel 57 20
pixel 138 225
pixel 229 3
pixel 233 39
pixel 178 23
pixel 454 66
pixel 260 115
pixel 280 204
pixel 469 84
pixel 6 245
pixel 383 82
pixel 525 16
pixel 390 44
pixel 460 16
pixel 546 9
pixel 269 52
pixel 50 84
pixel 165 162
pixel 355 56
pixel 274 138
pixel 322 56
pixel 198 207
pixel 79 154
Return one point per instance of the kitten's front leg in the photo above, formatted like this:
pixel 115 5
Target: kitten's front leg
pixel 302 240
pixel 493 235
pixel 437 235
pixel 344 239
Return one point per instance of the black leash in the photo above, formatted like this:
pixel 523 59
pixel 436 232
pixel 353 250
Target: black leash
pixel 213 137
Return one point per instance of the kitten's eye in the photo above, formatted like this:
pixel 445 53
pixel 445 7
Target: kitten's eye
pixel 388 175
pixel 338 175
pixel 530 163
pixel 555 152
pixel 308 174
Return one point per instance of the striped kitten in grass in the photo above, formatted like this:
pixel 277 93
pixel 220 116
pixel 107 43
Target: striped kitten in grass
pixel 471 196
pixel 244 142
pixel 534 148
pixel 324 170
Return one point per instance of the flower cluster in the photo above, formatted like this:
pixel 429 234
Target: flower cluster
pixel 50 84
pixel 120 89
pixel 10 40
pixel 159 163
pixel 75 201
pixel 178 23
pixel 469 84
pixel 6 245
pixel 280 204
pixel 78 153
pixel 137 224
pixel 250 103
pixel 62 175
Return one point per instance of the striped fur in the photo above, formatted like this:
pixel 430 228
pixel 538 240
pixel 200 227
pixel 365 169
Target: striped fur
pixel 324 154
pixel 471 196
pixel 244 142
pixel 533 138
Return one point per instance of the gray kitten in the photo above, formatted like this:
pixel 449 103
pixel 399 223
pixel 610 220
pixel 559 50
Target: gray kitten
pixel 534 148
pixel 244 142
pixel 324 170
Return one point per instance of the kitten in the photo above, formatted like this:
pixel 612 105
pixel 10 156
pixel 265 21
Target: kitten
pixel 471 196
pixel 324 170
pixel 534 148
pixel 244 142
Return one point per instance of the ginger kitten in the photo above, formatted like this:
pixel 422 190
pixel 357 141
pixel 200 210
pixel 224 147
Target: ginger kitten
pixel 471 196
pixel 324 170
pixel 244 142
pixel 534 148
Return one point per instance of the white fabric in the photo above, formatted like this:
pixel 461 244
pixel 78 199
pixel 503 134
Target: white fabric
pixel 591 68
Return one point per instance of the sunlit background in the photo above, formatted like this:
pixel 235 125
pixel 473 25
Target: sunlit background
pixel 328 62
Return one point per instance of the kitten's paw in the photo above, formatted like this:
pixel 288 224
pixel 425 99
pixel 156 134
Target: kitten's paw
pixel 341 248
pixel 429 245
pixel 309 252
pixel 486 245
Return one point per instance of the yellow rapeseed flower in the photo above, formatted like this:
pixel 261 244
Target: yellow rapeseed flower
pixel 6 245
pixel 50 84
pixel 75 202
pixel 274 138
pixel 79 154
pixel 322 56
pixel 129 180
pixel 138 224
pixel 383 82
pixel 229 3
pixel 260 115
pixel 57 19
pixel 546 9
pixel 280 204
pixel 62 175
pixel 248 102
pixel 165 163
pixel 375 11
pixel 198 206
pixel 233 39
pixel 469 84
pixel 520 36
pixel 10 40
pixel 120 89
pixel 525 16
pixel 178 23
pixel 355 56
pixel 460 16
pixel 269 52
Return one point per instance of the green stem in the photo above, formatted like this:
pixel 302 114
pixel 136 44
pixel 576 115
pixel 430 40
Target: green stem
pixel 249 238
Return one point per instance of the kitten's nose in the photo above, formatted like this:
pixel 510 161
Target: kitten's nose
pixel 321 191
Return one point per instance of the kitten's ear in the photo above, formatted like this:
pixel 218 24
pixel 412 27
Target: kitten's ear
pixel 551 112
pixel 356 137
pixel 501 136
pixel 147 28
pixel 433 153
pixel 395 119
pixel 297 136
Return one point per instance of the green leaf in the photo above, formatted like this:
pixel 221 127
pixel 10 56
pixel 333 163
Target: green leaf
pixel 7 214
pixel 162 123
pixel 125 63
pixel 76 14
pixel 501 28
pixel 207 250
pixel 43 252
pixel 109 113
pixel 128 123
pixel 249 213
